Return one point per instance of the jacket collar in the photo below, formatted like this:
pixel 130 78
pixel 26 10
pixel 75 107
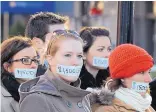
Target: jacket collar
pixel 120 103
pixel 4 92
pixel 15 105
pixel 67 88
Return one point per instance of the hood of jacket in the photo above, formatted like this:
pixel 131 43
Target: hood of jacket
pixel 102 96
pixel 48 84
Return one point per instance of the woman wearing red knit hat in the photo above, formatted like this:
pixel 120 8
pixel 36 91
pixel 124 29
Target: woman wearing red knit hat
pixel 130 72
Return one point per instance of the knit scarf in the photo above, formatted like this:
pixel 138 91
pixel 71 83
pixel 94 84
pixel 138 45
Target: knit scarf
pixel 134 99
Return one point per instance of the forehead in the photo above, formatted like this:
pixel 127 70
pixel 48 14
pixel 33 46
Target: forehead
pixel 138 75
pixel 54 27
pixel 70 45
pixel 29 51
pixel 102 41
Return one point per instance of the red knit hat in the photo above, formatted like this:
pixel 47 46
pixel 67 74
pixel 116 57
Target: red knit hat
pixel 127 60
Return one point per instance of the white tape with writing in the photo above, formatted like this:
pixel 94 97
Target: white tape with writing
pixel 100 62
pixel 139 86
pixel 25 73
pixel 69 70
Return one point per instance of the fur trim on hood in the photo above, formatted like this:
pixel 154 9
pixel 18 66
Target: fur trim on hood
pixel 102 96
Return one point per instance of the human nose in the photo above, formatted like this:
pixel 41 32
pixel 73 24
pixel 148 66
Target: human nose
pixel 106 54
pixel 75 61
pixel 147 78
pixel 33 65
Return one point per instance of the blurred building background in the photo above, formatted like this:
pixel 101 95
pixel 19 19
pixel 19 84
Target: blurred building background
pixel 14 16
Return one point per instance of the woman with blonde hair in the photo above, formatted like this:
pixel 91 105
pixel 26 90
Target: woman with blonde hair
pixel 53 91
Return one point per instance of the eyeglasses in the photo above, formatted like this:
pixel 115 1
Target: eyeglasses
pixel 62 32
pixel 26 61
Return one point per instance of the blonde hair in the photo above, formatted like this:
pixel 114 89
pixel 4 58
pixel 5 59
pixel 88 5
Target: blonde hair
pixel 53 44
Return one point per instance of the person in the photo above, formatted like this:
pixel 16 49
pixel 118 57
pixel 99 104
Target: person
pixel 153 93
pixel 17 66
pixel 39 28
pixel 53 91
pixel 130 72
pixel 97 48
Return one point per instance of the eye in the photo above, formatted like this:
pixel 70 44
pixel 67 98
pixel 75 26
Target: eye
pixel 109 49
pixel 80 56
pixel 149 71
pixel 36 61
pixel 67 55
pixel 26 60
pixel 142 72
pixel 100 49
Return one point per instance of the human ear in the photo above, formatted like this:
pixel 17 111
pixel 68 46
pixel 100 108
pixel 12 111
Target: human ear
pixel 7 67
pixel 84 56
pixel 37 42
pixel 49 59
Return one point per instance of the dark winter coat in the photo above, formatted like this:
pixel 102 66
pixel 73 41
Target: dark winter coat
pixel 153 93
pixel 87 79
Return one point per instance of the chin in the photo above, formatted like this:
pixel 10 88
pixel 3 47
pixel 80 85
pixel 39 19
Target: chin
pixel 70 78
pixel 22 80
pixel 143 94
pixel 100 68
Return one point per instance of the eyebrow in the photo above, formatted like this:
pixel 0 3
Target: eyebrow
pixel 72 52
pixel 105 46
pixel 30 57
pixel 101 46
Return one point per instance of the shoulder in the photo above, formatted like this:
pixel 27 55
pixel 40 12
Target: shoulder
pixel 116 106
pixel 5 96
pixel 153 84
pixel 102 108
pixel 35 102
pixel 8 103
pixel 151 109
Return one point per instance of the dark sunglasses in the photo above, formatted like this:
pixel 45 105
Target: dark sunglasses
pixel 26 61
pixel 62 32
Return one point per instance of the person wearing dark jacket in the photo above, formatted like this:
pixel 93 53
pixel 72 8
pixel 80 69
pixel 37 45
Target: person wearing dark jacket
pixel 19 62
pixel 153 92
pixel 97 48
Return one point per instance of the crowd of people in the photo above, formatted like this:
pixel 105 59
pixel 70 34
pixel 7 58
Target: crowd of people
pixel 53 69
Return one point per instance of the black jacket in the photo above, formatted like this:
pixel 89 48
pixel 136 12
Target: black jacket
pixel 41 70
pixel 87 80
pixel 153 93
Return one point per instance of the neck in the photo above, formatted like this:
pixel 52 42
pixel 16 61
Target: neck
pixel 42 59
pixel 58 76
pixel 20 80
pixel 91 70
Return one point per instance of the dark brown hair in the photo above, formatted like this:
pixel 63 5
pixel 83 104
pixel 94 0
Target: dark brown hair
pixel 114 84
pixel 89 35
pixel 12 46
pixel 38 24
